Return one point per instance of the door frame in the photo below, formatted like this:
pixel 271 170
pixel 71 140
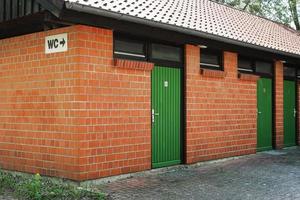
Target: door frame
pixel 272 116
pixel 297 142
pixel 274 110
pixel 296 107
pixel 178 65
pixel 273 96
pixel 297 113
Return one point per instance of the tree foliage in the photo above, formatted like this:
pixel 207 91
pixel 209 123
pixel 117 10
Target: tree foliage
pixel 283 11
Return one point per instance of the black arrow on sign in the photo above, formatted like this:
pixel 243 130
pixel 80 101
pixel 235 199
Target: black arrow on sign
pixel 63 42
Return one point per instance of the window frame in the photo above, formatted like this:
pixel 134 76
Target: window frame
pixel 261 73
pixel 252 65
pixel 129 56
pixel 291 77
pixel 148 51
pixel 167 63
pixel 219 67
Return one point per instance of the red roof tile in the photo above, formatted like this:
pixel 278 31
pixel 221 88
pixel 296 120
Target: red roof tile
pixel 208 17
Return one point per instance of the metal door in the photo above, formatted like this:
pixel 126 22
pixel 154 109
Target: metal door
pixel 166 116
pixel 264 114
pixel 289 102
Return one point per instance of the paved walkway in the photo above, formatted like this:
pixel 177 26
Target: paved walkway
pixel 5 195
pixel 269 175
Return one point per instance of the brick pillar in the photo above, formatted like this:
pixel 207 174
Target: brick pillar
pixel 192 70
pixel 278 105
pixel 230 64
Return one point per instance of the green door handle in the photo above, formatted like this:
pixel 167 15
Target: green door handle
pixel 258 112
pixel 153 115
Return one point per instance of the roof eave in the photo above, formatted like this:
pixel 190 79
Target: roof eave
pixel 104 13
pixel 53 6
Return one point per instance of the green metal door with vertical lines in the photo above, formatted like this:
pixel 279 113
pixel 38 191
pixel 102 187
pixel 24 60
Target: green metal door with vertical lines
pixel 166 116
pixel 289 102
pixel 264 114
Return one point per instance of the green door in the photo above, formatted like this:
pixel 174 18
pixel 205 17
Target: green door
pixel 289 101
pixel 166 116
pixel 264 114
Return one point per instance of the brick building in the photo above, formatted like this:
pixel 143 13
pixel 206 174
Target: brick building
pixel 91 89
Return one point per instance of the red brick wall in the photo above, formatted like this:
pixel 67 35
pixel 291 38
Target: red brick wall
pixel 37 105
pixel 278 115
pixel 72 114
pixel 114 116
pixel 221 110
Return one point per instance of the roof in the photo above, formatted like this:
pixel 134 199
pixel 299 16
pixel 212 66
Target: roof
pixel 203 16
pixel 10 10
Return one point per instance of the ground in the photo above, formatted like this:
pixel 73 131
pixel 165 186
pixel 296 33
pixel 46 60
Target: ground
pixel 268 175
pixel 7 196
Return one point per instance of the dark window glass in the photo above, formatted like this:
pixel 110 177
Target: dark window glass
pixel 289 72
pixel 210 58
pixel 264 67
pixel 245 65
pixel 166 52
pixel 298 73
pixel 128 47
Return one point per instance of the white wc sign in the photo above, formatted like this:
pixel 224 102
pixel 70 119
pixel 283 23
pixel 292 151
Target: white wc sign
pixel 56 43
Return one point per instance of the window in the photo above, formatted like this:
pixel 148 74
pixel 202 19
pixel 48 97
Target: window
pixel 251 65
pixel 129 48
pixel 166 52
pixel 245 65
pixel 262 67
pixel 289 72
pixel 211 59
pixel 298 73
pixel 132 48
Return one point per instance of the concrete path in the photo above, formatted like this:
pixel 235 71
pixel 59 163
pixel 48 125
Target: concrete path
pixel 5 195
pixel 270 175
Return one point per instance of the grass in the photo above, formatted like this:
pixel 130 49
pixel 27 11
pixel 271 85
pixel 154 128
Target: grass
pixel 35 187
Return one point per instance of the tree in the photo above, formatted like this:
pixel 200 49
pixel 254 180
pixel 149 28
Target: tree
pixel 283 11
pixel 293 4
